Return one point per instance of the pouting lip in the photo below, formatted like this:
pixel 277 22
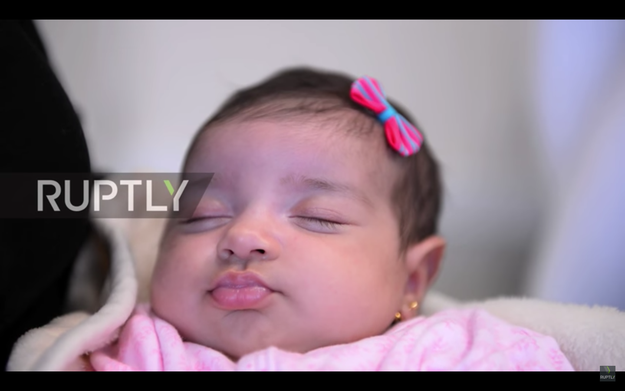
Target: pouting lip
pixel 240 280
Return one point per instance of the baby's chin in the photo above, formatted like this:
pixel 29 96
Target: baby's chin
pixel 236 349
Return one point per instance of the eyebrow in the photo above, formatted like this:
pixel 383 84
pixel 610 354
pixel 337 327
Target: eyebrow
pixel 326 186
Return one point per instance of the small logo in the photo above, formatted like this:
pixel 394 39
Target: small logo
pixel 607 373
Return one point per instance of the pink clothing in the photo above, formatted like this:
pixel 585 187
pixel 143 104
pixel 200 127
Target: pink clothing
pixel 451 340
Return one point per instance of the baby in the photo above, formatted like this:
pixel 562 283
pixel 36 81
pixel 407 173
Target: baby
pixel 312 247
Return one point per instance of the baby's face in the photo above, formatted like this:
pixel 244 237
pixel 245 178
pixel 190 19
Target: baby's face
pixel 294 245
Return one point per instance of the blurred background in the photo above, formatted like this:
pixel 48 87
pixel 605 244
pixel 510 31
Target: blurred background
pixel 526 117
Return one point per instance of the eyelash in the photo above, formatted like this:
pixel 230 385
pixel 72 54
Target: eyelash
pixel 325 223
pixel 322 222
pixel 196 219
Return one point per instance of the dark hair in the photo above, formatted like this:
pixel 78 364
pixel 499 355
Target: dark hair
pixel 301 92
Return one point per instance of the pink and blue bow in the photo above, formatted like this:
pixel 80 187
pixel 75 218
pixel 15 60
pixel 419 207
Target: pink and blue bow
pixel 401 134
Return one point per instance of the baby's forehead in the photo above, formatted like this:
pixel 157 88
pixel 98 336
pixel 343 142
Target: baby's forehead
pixel 359 144
pixel 366 132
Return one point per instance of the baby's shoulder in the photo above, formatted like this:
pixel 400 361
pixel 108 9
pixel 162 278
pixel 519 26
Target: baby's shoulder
pixel 468 319
pixel 473 339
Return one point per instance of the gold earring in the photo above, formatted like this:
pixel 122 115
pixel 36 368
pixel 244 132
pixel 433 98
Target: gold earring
pixel 413 306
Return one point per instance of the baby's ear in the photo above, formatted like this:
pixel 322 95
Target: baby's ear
pixel 422 263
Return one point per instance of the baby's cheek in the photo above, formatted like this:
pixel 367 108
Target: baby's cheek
pixel 160 287
pixel 182 266
pixel 170 274
pixel 170 294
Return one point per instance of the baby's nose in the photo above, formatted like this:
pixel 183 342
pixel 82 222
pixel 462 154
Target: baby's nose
pixel 248 242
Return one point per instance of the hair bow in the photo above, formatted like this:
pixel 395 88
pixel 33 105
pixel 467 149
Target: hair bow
pixel 401 134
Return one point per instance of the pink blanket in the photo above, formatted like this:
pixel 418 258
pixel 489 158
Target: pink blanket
pixel 451 340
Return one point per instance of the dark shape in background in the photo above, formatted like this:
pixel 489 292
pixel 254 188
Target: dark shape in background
pixel 40 132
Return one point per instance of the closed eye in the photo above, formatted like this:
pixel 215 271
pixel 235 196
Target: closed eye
pixel 318 224
pixel 325 222
pixel 204 223
pixel 202 218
